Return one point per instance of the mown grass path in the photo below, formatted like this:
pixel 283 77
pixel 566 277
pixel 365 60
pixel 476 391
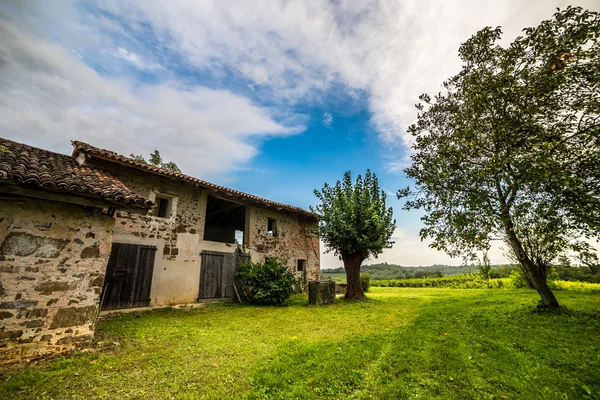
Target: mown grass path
pixel 402 343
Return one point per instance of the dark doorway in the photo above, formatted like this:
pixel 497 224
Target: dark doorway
pixel 217 275
pixel 128 276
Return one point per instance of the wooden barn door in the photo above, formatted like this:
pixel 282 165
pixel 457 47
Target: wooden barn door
pixel 217 274
pixel 128 276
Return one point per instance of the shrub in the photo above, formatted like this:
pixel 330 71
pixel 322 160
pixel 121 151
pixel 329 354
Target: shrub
pixel 580 286
pixel 270 283
pixel 518 279
pixel 365 281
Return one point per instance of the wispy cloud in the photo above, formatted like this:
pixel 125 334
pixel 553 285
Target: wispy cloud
pixel 137 60
pixel 279 54
pixel 327 119
pixel 297 50
pixel 50 96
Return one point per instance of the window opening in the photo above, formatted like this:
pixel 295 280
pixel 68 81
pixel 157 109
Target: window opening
pixel 225 221
pixel 271 227
pixel 301 265
pixel 239 237
pixel 163 207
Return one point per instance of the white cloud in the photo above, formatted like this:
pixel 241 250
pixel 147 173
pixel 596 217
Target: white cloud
pixel 289 52
pixel 137 60
pixel 327 119
pixel 50 96
pixel 393 50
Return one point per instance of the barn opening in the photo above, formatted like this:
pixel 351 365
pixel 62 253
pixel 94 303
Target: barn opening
pixel 225 221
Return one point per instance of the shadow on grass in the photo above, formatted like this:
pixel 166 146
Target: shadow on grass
pixel 429 343
pixel 482 348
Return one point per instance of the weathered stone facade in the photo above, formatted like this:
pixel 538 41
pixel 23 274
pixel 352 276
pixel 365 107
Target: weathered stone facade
pixel 53 259
pixel 179 239
pixel 294 240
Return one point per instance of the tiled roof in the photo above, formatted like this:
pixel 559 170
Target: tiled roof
pixel 27 165
pixel 80 147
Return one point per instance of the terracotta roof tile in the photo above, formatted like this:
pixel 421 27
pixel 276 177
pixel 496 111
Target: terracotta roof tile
pixel 81 147
pixel 27 165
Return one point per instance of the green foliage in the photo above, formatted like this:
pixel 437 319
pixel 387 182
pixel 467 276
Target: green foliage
pixel 392 271
pixel 300 284
pixel 581 274
pixel 469 281
pixel 406 343
pixel 139 157
pixel 353 218
pixel 509 151
pixel 590 259
pixel 270 283
pixel 577 286
pixel 519 279
pixel 156 160
pixel 355 224
pixel 485 268
pixel 365 281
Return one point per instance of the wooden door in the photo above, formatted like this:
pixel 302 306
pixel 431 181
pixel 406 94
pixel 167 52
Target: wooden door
pixel 128 276
pixel 217 275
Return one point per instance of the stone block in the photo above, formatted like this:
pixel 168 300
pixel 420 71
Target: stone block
pixel 52 286
pixel 25 244
pixel 321 292
pixel 73 316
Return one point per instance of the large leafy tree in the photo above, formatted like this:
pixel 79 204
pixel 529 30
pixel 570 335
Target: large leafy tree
pixel 510 149
pixel 355 224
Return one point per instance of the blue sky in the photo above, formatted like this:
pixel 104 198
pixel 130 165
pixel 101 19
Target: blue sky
pixel 269 97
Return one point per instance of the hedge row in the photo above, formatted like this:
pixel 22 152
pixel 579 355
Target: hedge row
pixel 474 282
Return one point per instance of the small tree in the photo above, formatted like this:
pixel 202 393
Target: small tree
pixel 485 268
pixel 355 224
pixel 590 259
pixel 156 160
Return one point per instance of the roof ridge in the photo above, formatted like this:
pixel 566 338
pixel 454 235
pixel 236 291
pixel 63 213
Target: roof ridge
pixel 114 156
pixel 38 148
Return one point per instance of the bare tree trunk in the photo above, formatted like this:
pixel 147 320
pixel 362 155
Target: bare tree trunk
pixel 352 262
pixel 532 272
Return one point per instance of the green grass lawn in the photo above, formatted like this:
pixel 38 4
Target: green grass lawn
pixel 402 343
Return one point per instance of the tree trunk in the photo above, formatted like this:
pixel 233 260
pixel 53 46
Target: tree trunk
pixel 594 268
pixel 532 272
pixel 352 262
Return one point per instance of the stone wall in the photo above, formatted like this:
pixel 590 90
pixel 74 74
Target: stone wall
pixel 53 257
pixel 177 264
pixel 291 241
pixel 180 239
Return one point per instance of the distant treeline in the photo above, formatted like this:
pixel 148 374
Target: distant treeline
pixel 392 271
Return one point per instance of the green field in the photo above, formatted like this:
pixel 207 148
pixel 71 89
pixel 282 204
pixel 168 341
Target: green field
pixel 402 343
pixel 339 277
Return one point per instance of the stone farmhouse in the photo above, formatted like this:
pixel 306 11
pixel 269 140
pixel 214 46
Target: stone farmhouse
pixel 97 230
